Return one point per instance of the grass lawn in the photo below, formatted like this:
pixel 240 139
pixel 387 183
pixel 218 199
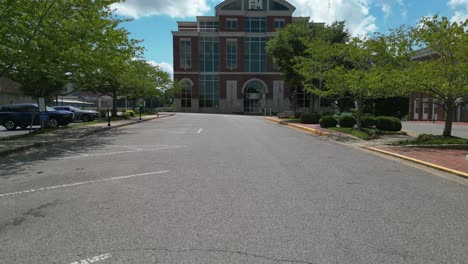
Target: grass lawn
pixel 292 120
pixel 365 133
pixel 425 139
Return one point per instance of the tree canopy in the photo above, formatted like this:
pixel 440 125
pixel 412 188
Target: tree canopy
pixel 45 44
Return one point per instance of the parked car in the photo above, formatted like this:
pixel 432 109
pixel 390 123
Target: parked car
pixel 23 115
pixel 80 114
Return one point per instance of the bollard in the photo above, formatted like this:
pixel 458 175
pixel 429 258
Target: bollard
pixel 108 118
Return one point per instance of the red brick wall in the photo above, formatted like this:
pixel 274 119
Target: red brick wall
pixel 193 78
pixel 243 79
pixel 176 48
pixel 271 20
pixel 222 24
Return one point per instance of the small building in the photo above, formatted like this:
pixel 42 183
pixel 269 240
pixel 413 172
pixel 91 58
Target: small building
pixel 11 93
pixel 222 63
pixel 423 107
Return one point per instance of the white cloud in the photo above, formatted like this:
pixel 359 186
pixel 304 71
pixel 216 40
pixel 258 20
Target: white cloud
pixel 460 8
pixel 386 9
pixel 172 8
pixel 163 66
pixel 355 12
pixel 455 3
pixel 459 16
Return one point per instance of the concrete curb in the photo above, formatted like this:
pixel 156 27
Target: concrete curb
pixel 304 128
pixel 97 130
pixel 458 173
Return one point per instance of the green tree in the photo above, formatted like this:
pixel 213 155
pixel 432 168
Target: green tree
pixel 47 43
pixel 292 42
pixel 444 77
pixel 358 69
pixel 145 81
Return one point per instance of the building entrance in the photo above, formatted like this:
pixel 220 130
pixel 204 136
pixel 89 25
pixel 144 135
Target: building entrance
pixel 254 97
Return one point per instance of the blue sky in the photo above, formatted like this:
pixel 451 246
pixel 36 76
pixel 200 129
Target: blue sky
pixel 155 19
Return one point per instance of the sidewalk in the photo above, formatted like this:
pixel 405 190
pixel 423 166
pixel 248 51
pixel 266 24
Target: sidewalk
pixel 70 134
pixel 448 160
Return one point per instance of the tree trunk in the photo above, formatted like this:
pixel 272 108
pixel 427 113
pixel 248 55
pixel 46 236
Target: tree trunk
pixel 295 101
pixel 312 102
pixel 114 104
pixel 449 120
pixel 358 115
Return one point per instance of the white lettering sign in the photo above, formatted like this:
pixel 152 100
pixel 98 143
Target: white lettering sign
pixel 256 4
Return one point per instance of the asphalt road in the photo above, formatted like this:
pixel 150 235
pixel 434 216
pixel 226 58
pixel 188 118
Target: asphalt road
pixel 223 189
pixel 435 129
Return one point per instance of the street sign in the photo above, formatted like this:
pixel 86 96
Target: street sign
pixel 44 116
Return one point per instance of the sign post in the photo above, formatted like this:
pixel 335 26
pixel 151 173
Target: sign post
pixel 43 116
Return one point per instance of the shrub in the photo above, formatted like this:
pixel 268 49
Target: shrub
pixel 388 123
pixel 328 121
pixel 396 124
pixel 310 118
pixel 126 115
pixel 347 121
pixel 130 112
pixel 367 121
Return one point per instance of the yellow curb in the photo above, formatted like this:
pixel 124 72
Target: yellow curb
pixel 310 130
pixel 304 128
pixel 456 172
pixel 272 119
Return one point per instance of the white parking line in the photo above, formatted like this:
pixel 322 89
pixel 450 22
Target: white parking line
pixel 200 130
pixel 121 152
pixel 82 183
pixel 93 259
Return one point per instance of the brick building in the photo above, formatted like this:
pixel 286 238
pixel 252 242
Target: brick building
pixel 222 63
pixel 424 108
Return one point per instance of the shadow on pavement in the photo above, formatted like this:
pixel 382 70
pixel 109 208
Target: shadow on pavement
pixel 17 163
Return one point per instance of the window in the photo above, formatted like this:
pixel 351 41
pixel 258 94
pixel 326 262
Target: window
pixel 185 53
pixel 231 53
pixel 186 94
pixel 208 54
pixel 255 24
pixel 209 91
pixel 209 26
pixel 302 97
pixel 231 23
pixel 254 55
pixel 279 23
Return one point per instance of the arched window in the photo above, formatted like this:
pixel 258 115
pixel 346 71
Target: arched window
pixel 186 93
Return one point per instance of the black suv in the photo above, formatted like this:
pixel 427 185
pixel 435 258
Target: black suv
pixel 23 115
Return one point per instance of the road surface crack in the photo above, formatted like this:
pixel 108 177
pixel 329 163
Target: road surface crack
pixel 216 250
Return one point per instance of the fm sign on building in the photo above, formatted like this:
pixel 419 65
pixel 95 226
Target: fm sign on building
pixel 255 4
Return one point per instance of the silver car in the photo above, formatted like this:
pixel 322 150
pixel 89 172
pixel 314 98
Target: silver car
pixel 80 114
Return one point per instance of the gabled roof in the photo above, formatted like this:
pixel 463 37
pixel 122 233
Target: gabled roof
pixel 242 6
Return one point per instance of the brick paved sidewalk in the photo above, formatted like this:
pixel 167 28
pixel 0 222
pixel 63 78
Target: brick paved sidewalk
pixel 438 122
pixel 449 158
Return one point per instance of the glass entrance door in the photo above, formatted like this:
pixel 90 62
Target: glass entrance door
pixel 252 106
